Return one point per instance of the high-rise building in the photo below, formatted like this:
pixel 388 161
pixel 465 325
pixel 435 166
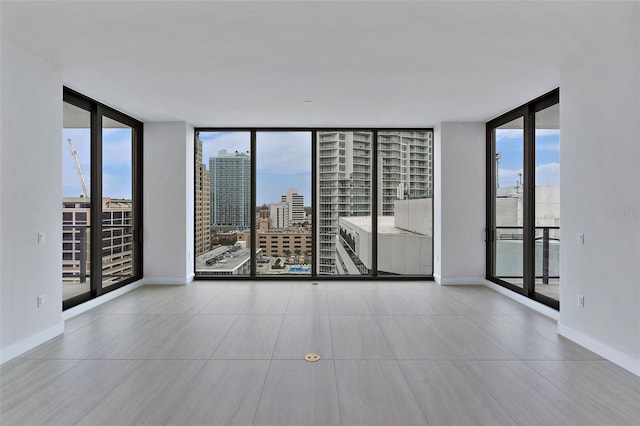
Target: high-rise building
pixel 202 203
pixel 279 215
pixel 230 190
pixel 345 173
pixel 296 205
pixel 405 160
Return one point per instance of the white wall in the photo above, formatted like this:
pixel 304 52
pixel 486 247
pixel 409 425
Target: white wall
pixel 168 203
pixel 459 203
pixel 600 177
pixel 31 193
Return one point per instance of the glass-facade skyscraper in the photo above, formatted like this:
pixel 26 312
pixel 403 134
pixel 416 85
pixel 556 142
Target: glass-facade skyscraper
pixel 230 175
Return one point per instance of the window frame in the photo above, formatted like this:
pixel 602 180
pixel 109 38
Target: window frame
pixel 97 111
pixel 314 276
pixel 528 112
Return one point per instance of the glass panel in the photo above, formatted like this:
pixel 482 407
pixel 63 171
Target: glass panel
pixel 509 143
pixel 344 170
pixel 117 202
pixel 223 203
pixel 283 187
pixel 405 200
pixel 76 209
pixel 547 202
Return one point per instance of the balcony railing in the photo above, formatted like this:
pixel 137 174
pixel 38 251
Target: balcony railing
pixel 547 240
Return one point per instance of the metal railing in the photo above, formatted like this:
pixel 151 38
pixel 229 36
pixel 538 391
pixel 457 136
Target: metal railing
pixel 546 239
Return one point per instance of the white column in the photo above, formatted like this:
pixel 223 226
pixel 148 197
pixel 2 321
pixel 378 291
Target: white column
pixel 168 203
pixel 459 203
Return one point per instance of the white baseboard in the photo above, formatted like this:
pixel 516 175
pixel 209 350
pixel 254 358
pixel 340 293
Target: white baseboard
pixel 167 280
pixel 18 348
pixel 460 281
pixel 615 356
pixel 536 306
pixel 90 304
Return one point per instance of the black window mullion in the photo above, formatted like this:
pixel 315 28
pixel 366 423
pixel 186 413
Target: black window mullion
pixel 374 204
pixel 252 220
pixel 314 207
pixel 529 205
pixel 96 201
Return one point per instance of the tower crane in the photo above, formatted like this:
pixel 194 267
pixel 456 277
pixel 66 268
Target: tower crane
pixel 83 182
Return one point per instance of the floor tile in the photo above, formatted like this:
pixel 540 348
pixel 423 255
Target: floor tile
pixel 299 393
pixel 463 340
pixel 525 395
pixel 251 337
pixel 271 300
pixel 610 396
pixel 410 338
pixel 347 300
pixel 375 392
pixel 226 392
pixel 448 397
pixel 386 302
pixel 228 302
pixel 307 299
pixel 137 399
pixel 301 334
pixel 358 337
pixel 94 336
pixel 67 398
pixel 198 339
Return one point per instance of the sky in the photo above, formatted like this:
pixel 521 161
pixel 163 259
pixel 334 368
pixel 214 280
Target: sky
pixel 116 162
pixel 509 145
pixel 283 160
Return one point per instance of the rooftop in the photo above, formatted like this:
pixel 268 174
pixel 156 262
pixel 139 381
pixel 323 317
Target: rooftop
pixel 385 224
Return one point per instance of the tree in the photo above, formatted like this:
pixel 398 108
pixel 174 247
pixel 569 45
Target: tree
pixel 298 252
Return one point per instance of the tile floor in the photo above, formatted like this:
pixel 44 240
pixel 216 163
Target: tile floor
pixel 392 354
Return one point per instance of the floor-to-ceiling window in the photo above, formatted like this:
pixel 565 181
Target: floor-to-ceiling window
pixel 322 202
pixel 523 163
pixel 102 199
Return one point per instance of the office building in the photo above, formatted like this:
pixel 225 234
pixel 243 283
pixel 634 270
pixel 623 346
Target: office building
pixel 230 187
pixel 279 215
pixel 296 206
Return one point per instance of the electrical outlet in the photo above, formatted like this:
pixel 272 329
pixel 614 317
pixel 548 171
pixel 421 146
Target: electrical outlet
pixel 580 238
pixel 41 300
pixel 581 301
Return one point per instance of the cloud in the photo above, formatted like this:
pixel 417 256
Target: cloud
pixel 212 142
pixel 116 147
pixel 548 174
pixel 548 132
pixel 504 135
pixel 552 146
pixel 116 160
pixel 284 153
pixel 508 177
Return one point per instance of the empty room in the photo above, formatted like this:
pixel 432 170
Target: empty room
pixel 320 213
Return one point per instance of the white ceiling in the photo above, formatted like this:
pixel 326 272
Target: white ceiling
pixel 243 63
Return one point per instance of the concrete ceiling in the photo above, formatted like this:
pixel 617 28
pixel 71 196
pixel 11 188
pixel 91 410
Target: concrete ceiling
pixel 240 63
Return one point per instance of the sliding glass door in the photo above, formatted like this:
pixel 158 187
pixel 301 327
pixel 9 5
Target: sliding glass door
pixel 102 199
pixel 523 216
